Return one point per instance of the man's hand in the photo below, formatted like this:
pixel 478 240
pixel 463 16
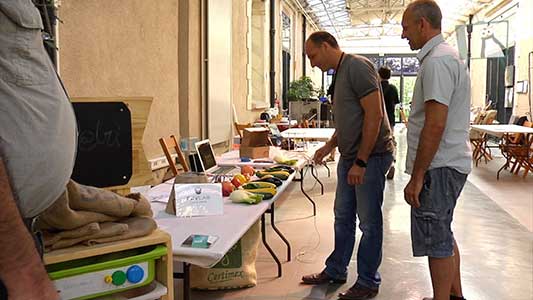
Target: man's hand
pixel 321 153
pixel 356 175
pixel 21 269
pixel 412 191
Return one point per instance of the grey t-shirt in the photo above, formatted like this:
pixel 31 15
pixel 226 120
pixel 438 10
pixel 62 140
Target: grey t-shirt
pixel 355 79
pixel 37 126
pixel 444 78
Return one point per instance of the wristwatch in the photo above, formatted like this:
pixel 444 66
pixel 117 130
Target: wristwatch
pixel 361 163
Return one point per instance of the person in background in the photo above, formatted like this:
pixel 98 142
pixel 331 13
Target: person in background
pixel 438 154
pixel 390 94
pixel 38 138
pixel 363 136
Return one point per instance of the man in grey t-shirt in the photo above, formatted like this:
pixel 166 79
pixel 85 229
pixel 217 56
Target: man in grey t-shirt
pixel 363 135
pixel 438 154
pixel 37 147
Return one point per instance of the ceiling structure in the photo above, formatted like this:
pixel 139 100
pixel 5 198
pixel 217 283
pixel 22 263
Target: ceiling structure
pixel 377 23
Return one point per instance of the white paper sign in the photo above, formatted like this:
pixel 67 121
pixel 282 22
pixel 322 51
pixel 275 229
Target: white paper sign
pixel 201 199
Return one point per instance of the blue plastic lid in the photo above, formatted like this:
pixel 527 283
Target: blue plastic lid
pixel 245 159
pixel 135 274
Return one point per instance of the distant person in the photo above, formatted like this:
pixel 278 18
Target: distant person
pixel 37 149
pixel 438 151
pixel 390 94
pixel 363 136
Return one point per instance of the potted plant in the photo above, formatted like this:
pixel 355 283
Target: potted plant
pixel 301 89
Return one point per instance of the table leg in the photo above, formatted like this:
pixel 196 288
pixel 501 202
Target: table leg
pixel 186 280
pixel 327 168
pixel 313 172
pixel 263 235
pixel 303 191
pixel 271 211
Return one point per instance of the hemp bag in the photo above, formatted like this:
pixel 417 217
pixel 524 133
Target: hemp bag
pixel 235 270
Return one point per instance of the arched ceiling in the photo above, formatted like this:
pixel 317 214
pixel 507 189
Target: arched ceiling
pixel 363 20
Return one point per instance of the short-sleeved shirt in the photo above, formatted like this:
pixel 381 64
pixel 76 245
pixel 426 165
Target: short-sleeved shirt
pixel 38 132
pixel 356 77
pixel 444 78
pixel 390 94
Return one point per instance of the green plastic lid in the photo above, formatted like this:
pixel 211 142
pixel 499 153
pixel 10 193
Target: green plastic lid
pixel 119 277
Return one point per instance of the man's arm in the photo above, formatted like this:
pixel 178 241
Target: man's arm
pixel 21 269
pixel 332 142
pixel 319 155
pixel 436 115
pixel 373 116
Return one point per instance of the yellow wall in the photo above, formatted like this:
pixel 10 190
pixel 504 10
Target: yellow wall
pixel 478 75
pixel 116 48
pixel 147 48
pixel 190 88
pixel 524 45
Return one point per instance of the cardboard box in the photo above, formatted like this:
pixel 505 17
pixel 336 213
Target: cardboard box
pixel 255 143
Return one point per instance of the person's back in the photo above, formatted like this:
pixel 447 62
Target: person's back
pixel 390 95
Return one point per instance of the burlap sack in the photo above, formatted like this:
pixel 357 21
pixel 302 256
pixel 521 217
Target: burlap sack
pixel 107 230
pixel 235 270
pixel 136 227
pixel 90 198
pixel 142 207
pixel 52 237
pixel 60 216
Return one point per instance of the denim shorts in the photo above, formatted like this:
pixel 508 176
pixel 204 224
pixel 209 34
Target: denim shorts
pixel 431 232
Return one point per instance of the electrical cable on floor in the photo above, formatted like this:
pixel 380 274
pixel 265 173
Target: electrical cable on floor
pixel 306 254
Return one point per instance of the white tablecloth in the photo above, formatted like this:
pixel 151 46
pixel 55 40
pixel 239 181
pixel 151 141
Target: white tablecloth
pixel 499 130
pixel 308 133
pixel 229 227
pixel 304 156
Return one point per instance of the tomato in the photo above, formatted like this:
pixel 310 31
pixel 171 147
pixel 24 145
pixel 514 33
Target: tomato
pixel 247 170
pixel 227 188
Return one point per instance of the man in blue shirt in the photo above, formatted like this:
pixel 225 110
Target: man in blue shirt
pixel 438 154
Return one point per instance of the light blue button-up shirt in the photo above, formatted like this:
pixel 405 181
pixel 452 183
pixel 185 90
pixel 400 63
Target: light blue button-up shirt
pixel 444 78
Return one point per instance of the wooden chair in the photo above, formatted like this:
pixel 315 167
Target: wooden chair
pixel 517 149
pixel 240 127
pixel 479 140
pixel 167 144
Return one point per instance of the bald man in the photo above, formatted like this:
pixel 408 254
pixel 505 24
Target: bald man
pixel 363 136
pixel 438 154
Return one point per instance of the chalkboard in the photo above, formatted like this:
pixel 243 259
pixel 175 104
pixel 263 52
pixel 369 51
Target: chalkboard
pixel 104 156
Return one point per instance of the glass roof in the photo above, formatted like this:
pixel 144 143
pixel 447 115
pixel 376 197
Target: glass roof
pixel 375 19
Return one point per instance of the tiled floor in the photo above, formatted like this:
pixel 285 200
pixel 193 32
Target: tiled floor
pixel 492 227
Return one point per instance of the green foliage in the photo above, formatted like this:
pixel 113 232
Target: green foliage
pixel 301 89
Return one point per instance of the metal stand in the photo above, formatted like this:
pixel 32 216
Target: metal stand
pixel 186 280
pixel 301 180
pixel 263 236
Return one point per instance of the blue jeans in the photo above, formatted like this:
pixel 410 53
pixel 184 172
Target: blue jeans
pixel 363 201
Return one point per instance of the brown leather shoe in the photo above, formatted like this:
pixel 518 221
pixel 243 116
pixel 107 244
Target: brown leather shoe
pixel 358 292
pixel 322 277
